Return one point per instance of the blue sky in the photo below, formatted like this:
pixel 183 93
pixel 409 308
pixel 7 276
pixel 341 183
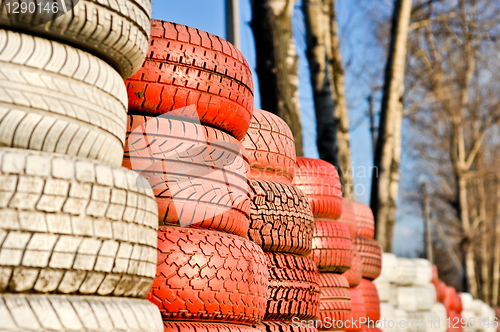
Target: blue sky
pixel 362 57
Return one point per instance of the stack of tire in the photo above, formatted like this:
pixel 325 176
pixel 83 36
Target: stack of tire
pixel 478 315
pixel 282 223
pixel 370 255
pixel 77 232
pixel 343 248
pixel 409 280
pixel 190 104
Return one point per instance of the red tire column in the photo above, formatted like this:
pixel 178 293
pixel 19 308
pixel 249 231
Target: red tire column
pixel 189 106
pixel 282 223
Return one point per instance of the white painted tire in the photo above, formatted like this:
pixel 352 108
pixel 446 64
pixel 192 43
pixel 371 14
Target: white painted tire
pixel 383 288
pixel 74 226
pixel 471 317
pixel 117 30
pixel 467 300
pixel 401 315
pixel 406 272
pixel 20 312
pixel 424 272
pixel 416 298
pixel 394 295
pixel 390 266
pixel 56 98
pixel 440 314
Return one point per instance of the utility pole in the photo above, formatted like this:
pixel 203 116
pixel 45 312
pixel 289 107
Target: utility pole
pixel 233 22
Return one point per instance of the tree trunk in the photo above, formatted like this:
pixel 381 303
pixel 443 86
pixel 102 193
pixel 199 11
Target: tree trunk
pixel 485 257
pixel 496 257
pixel 317 31
pixel 277 62
pixel 387 154
pixel 341 112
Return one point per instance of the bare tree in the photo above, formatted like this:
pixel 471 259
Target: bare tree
pixel 336 71
pixel 327 79
pixel 453 99
pixel 385 180
pixel 277 62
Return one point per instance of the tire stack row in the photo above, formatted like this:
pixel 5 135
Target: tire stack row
pixel 190 105
pixel 411 299
pixel 77 232
pixel 370 253
pixel 451 302
pixel 344 250
pixel 282 223
pixel 475 311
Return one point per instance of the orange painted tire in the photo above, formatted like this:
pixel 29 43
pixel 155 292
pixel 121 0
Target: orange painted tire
pixel 195 74
pixel 364 220
pixel 173 326
pixel 209 276
pixel 270 148
pixel 293 287
pixel 335 301
pixel 358 311
pixel 280 218
pixel 353 275
pixel 370 252
pixel 332 246
pixel 348 217
pixel 319 180
pixel 198 174
pixel 371 299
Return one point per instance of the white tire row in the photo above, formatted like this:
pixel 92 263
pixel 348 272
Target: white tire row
pixel 115 30
pixel 62 313
pixel 70 225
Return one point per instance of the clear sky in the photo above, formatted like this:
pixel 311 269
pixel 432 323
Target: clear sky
pixel 358 50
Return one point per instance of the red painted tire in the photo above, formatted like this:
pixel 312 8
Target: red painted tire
pixel 198 174
pixel 458 303
pixel 319 180
pixel 173 326
pixel 364 220
pixel 358 311
pixel 270 326
pixel 371 299
pixel 370 252
pixel 195 75
pixel 209 276
pixel 348 217
pixel 293 287
pixel 270 148
pixel 281 219
pixel 449 295
pixel 335 301
pixel 353 275
pixel 332 246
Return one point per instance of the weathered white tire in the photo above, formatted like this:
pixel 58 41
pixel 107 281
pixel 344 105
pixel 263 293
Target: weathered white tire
pixel 467 300
pixel 424 272
pixel 383 288
pixel 117 31
pixel 56 98
pixel 477 307
pixel 406 272
pixel 439 314
pixel 72 225
pixel 393 289
pixel 20 312
pixel 390 266
pixel 401 315
pixel 416 298
pixel 388 314
pixel 469 316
